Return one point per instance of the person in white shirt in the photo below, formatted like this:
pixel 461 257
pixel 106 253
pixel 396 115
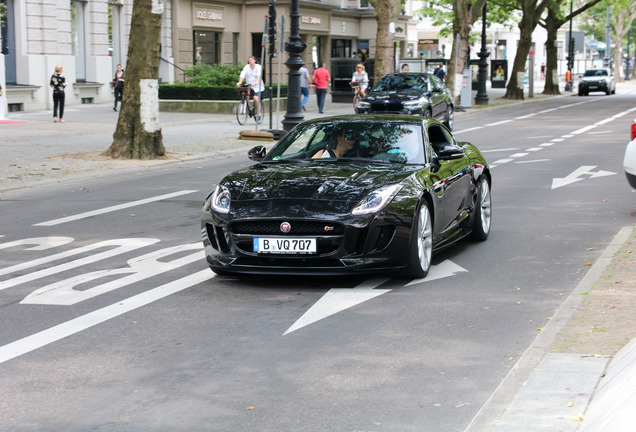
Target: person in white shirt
pixel 251 73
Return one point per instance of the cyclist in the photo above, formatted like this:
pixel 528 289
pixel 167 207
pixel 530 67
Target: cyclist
pixel 251 73
pixel 360 78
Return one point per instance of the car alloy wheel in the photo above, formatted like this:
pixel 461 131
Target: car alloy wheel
pixel 483 211
pixel 421 248
pixel 450 118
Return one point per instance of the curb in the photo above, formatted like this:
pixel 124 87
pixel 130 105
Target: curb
pixel 503 396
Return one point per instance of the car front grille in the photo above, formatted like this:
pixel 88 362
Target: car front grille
pixel 386 106
pixel 273 227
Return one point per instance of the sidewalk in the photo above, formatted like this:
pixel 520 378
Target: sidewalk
pixel 564 369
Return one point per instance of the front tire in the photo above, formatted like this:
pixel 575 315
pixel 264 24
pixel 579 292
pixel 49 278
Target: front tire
pixel 241 112
pixel 421 245
pixel 450 118
pixel 483 212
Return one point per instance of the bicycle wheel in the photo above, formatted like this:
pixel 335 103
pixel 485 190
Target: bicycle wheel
pixel 356 99
pixel 259 119
pixel 242 112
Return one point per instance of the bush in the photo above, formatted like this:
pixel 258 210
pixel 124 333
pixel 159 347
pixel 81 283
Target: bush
pixel 213 75
pixel 200 92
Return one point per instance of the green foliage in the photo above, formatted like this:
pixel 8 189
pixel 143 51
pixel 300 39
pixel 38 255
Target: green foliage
pixel 200 92
pixel 213 75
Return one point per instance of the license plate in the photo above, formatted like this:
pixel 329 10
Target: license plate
pixel 285 245
pixel 592 87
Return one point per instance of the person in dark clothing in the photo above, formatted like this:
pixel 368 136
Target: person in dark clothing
pixel 118 85
pixel 439 72
pixel 58 83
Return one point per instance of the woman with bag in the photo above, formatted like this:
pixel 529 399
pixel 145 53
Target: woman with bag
pixel 58 82
pixel 118 84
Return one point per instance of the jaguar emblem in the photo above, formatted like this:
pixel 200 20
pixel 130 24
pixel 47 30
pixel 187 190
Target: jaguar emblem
pixel 285 227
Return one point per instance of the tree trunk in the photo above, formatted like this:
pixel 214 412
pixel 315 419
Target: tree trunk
pixel 462 26
pixel 138 135
pixel 384 42
pixel 552 25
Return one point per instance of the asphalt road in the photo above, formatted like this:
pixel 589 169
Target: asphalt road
pixel 138 335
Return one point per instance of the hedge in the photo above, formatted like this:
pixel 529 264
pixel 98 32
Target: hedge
pixel 190 92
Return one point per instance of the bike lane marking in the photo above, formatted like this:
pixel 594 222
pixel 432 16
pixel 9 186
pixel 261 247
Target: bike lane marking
pixel 76 325
pixel 114 208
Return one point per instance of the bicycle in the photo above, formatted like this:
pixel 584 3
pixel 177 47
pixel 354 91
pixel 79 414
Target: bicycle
pixel 355 85
pixel 244 109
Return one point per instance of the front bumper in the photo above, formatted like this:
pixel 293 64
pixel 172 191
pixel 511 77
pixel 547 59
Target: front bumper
pixel 352 245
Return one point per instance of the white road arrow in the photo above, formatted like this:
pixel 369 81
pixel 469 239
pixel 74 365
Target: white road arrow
pixel 338 299
pixel 576 176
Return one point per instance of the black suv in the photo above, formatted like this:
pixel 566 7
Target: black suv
pixel 421 94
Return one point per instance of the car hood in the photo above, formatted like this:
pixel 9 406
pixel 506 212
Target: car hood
pixel 395 94
pixel 594 78
pixel 336 180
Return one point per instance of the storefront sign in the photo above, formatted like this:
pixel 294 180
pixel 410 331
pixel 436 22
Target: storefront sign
pixel 310 20
pixel 206 16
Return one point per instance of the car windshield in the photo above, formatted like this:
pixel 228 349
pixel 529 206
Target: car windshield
pixel 595 72
pixel 401 82
pixel 364 141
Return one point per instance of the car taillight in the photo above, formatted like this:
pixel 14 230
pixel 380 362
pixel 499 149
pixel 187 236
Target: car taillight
pixel 633 130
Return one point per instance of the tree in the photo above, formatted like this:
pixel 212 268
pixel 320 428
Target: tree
pixel 553 21
pixel 138 135
pixel 386 11
pixel 531 11
pixel 622 16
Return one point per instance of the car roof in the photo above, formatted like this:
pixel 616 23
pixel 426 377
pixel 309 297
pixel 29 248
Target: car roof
pixel 365 118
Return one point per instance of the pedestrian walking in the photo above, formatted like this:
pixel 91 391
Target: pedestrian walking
pixel 305 83
pixel 118 85
pixel 439 72
pixel 542 71
pixel 58 83
pixel 252 73
pixel 321 80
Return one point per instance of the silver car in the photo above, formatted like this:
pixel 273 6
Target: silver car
pixel 597 80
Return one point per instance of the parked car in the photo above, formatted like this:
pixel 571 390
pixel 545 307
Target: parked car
pixel 597 80
pixel 349 194
pixel 629 163
pixel 421 94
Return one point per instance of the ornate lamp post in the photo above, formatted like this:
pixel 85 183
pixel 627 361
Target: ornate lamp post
pixel 294 47
pixel 482 95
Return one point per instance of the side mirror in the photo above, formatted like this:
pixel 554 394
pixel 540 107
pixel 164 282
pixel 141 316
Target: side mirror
pixel 257 153
pixel 450 153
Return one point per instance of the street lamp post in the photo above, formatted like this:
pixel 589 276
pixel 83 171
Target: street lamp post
pixel 294 47
pixel 570 57
pixel 482 95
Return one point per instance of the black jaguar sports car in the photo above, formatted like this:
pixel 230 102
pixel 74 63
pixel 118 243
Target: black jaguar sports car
pixel 420 94
pixel 349 194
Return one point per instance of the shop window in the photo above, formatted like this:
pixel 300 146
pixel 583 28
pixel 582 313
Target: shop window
pixel 78 39
pixel 7 37
pixel 257 46
pixel 206 47
pixel 114 34
pixel 341 48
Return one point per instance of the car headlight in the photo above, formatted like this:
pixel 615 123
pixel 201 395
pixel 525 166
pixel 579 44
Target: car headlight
pixel 220 200
pixel 418 103
pixel 376 200
pixel 364 105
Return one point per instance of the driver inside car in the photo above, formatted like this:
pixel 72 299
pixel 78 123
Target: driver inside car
pixel 344 146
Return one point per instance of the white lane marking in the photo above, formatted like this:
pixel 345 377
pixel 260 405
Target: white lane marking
pixel 567 136
pixel 583 130
pixel 468 130
pixel 556 140
pixel 339 299
pixel 64 293
pixel 599 132
pixel 575 176
pixel 534 149
pixel 500 150
pixel 40 243
pixel 526 116
pixel 119 246
pixel 532 161
pixel 500 122
pixel 502 161
pixel 68 328
pixel 518 155
pixel 113 208
pixel 546 144
pixel 605 121
pixel 444 269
